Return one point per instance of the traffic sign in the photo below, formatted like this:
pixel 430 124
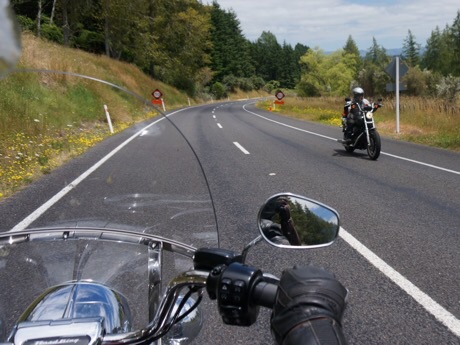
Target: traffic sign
pixel 392 87
pixel 279 94
pixel 391 68
pixel 157 94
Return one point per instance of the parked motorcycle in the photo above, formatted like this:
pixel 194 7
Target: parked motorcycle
pixel 365 135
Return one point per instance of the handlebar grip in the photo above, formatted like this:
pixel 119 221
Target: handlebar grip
pixel 264 294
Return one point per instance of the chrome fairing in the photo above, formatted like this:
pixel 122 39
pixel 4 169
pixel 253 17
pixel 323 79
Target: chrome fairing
pixel 111 275
pixel 79 300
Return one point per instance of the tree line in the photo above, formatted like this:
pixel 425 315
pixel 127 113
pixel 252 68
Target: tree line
pixel 433 70
pixel 200 48
pixel 195 47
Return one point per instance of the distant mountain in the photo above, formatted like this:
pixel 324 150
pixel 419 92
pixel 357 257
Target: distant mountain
pixel 394 52
pixel 390 52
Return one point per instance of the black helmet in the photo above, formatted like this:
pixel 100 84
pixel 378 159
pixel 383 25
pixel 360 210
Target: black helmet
pixel 358 94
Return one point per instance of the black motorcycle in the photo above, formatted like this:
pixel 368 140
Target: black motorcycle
pixel 365 135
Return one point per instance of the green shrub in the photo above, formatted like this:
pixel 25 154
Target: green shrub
pixel 231 82
pixel 305 89
pixel 52 33
pixel 26 23
pixel 219 90
pixel 272 85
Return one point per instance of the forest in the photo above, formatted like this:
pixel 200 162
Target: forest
pixel 200 49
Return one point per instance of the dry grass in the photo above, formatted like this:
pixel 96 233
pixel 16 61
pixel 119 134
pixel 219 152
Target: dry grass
pixel 422 120
pixel 48 118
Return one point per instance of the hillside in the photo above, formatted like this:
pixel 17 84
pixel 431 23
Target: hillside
pixel 48 114
pixel 41 54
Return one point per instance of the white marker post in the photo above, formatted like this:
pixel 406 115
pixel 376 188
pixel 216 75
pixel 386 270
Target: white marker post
pixel 109 121
pixel 396 70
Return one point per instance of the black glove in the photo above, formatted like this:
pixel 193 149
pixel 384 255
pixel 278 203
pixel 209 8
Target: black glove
pixel 306 294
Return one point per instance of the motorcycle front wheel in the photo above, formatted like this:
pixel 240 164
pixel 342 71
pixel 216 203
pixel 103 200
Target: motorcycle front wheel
pixel 373 149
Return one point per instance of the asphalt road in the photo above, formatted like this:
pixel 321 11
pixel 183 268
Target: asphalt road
pixel 398 249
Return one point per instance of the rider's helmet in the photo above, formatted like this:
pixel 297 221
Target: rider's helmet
pixel 358 94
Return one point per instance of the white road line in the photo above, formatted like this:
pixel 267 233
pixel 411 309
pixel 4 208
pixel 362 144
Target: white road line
pixel 334 139
pixel 241 148
pixel 219 125
pixel 434 308
pixel 421 163
pixel 43 208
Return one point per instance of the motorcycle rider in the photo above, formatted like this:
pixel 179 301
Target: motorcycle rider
pixel 280 210
pixel 356 106
pixel 310 301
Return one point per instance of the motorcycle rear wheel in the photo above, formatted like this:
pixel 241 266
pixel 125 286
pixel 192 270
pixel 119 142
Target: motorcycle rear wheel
pixel 373 149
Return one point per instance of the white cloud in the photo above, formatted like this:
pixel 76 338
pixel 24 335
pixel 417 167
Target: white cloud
pixel 328 23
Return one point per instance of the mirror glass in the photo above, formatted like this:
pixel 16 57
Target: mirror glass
pixel 288 220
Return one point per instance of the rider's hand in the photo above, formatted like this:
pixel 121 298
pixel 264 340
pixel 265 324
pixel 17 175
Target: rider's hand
pixel 308 296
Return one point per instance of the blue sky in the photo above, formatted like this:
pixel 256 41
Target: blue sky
pixel 328 23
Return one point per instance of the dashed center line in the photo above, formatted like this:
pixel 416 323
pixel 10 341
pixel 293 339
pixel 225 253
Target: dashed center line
pixel 246 152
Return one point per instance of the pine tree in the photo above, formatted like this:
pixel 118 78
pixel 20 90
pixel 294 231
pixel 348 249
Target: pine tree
pixel 455 37
pixel 267 55
pixel 351 47
pixel 437 54
pixel 230 53
pixel 352 50
pixel 411 50
pixel 372 77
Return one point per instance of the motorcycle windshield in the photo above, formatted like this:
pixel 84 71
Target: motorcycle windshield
pixel 144 179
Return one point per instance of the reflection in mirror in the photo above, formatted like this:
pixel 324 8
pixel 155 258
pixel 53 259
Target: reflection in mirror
pixel 295 221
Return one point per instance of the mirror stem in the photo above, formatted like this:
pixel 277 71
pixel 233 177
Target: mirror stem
pixel 251 244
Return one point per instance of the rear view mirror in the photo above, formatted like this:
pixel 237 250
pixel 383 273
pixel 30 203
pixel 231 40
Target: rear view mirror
pixel 288 220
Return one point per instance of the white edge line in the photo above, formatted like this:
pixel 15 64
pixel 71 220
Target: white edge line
pixel 326 137
pixel 43 208
pixel 440 313
pixel 246 152
pixel 421 163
